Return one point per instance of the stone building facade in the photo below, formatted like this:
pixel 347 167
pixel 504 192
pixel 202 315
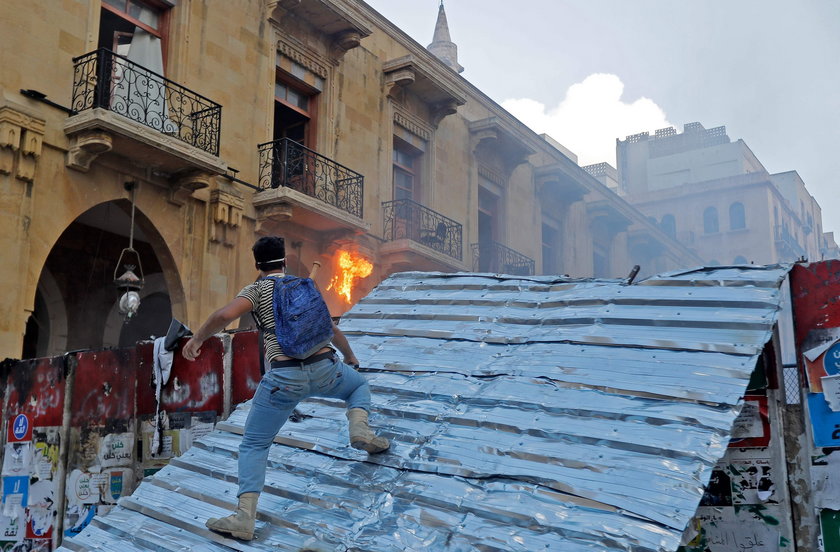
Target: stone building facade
pixel 181 130
pixel 715 197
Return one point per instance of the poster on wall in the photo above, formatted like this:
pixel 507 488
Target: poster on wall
pixel 45 449
pixel 11 531
pixel 752 481
pixel 733 529
pixel 40 512
pixel 830 529
pixel 15 494
pixel 821 356
pixel 822 368
pixel 17 458
pixel 825 423
pixel 752 426
pixel 719 490
pixel 116 449
pixel 19 429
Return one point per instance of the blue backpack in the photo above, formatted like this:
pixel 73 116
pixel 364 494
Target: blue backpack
pixel 302 321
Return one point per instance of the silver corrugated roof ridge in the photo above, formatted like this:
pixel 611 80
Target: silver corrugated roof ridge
pixel 525 413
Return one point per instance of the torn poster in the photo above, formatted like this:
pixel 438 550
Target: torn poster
pixel 17 459
pixel 752 426
pixel 15 494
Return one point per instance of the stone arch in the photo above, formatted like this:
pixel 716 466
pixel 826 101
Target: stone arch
pixel 46 328
pixel 79 269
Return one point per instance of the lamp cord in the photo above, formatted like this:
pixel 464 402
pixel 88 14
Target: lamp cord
pixel 131 229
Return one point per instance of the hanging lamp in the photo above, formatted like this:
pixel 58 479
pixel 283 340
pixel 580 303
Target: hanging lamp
pixel 129 283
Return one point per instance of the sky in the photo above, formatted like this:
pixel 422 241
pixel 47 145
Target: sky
pixel 589 71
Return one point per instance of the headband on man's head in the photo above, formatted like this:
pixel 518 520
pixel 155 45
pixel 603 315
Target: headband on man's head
pixel 272 261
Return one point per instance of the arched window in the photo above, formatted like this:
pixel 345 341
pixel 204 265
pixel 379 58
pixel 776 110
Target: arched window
pixel 740 260
pixel 710 221
pixel 669 225
pixel 737 217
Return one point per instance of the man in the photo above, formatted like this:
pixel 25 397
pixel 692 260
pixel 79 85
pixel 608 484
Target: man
pixel 287 382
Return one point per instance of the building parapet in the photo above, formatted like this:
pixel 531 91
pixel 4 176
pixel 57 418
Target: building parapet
pixel 666 141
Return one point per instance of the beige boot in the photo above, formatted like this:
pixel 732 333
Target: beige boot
pixel 240 523
pixel 361 437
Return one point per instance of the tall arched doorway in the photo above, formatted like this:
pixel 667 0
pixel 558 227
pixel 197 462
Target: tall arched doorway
pixel 76 300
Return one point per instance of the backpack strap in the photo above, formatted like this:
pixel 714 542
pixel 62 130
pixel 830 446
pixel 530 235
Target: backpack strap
pixel 260 327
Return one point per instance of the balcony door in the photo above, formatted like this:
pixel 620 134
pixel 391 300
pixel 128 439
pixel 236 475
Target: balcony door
pixel 294 113
pixel 135 30
pixel 121 20
pixel 407 163
pixel 294 116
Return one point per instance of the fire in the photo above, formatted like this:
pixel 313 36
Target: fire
pixel 351 267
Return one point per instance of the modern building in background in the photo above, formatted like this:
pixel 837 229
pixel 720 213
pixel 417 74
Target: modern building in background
pixel 166 136
pixel 714 196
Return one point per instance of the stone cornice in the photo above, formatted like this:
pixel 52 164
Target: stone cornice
pixel 492 133
pixel 490 174
pixel 344 27
pixel 302 58
pixel 438 79
pixel 412 124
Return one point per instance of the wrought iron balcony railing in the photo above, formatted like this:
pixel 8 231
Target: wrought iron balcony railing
pixel 788 244
pixel 405 218
pixel 495 257
pixel 287 163
pixel 110 81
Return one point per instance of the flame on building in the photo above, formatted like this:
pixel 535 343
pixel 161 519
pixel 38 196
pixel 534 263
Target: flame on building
pixel 350 267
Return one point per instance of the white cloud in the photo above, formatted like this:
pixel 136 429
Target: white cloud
pixel 590 117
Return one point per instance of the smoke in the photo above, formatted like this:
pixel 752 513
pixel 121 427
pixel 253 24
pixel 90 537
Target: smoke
pixel 590 117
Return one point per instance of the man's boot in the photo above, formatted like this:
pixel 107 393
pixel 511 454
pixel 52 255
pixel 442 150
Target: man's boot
pixel 361 437
pixel 240 523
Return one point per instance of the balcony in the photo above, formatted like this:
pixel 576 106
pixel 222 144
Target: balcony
pixel 301 184
pixel 495 257
pixel 420 238
pixel 789 249
pixel 123 107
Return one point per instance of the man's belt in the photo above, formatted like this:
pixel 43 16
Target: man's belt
pixel 302 362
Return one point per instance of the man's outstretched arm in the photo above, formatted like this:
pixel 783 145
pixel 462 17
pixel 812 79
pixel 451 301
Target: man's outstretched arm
pixel 215 323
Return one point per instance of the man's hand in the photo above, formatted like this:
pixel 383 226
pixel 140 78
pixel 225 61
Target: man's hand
pixel 217 322
pixel 191 349
pixel 352 361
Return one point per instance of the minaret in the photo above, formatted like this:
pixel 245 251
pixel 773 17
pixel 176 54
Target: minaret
pixel 442 46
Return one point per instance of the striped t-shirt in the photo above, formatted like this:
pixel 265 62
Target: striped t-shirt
pixel 261 294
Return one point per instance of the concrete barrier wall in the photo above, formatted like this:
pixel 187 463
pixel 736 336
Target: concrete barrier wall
pixel 79 429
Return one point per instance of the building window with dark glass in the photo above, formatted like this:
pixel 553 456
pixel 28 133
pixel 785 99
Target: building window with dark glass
pixel 294 113
pixel 737 216
pixel 710 221
pixel 669 225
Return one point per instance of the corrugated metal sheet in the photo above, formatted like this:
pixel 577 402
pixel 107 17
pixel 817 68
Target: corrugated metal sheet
pixel 525 414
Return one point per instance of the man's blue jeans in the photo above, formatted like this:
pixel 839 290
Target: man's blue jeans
pixel 277 395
